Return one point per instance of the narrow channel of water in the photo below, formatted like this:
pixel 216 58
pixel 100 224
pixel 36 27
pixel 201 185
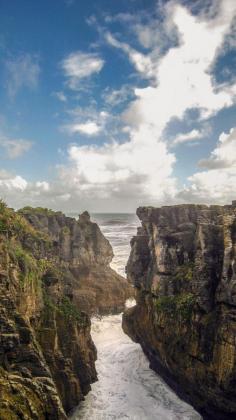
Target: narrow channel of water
pixel 127 388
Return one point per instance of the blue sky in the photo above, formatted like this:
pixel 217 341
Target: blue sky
pixel 109 105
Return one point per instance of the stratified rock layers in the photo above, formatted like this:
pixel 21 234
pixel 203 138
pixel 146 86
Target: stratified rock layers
pixel 182 264
pixel 49 264
pixel 85 256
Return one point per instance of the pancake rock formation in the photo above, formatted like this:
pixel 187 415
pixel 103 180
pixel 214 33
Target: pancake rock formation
pixel 182 264
pixel 85 256
pixel 47 356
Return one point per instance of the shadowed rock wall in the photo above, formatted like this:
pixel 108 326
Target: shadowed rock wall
pixel 182 264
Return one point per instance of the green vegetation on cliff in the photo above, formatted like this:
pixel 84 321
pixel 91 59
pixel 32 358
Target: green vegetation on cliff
pixel 70 312
pixel 29 267
pixel 13 224
pixel 64 308
pixel 176 306
pixel 184 272
pixel 38 210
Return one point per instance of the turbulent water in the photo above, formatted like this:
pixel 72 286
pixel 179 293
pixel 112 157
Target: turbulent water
pixel 126 388
pixel 118 229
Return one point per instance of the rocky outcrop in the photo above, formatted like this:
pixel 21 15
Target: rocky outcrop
pixel 85 255
pixel 47 357
pixel 182 264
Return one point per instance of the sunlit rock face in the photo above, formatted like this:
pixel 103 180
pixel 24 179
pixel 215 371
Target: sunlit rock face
pixel 182 264
pixel 85 256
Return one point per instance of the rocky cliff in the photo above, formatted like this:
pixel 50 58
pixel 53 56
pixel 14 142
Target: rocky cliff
pixel 182 264
pixel 47 357
pixel 85 256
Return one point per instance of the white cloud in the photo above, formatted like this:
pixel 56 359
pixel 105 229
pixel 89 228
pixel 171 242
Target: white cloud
pixel 190 136
pixel 79 65
pixel 127 169
pixel 217 183
pixel 183 77
pixel 43 185
pixel 15 148
pixel 224 155
pixel 215 186
pixel 142 166
pixel 16 183
pixel 113 97
pixel 143 63
pixel 61 96
pixel 140 169
pixel 90 128
pixel 86 121
pixel 22 72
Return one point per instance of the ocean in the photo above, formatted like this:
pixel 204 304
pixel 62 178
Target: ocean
pixel 118 228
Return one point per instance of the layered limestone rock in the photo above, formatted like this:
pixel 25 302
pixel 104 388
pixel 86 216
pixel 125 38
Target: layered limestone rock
pixel 182 264
pixel 47 357
pixel 85 255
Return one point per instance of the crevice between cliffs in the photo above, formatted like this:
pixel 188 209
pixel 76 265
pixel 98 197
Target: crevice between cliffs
pixel 55 275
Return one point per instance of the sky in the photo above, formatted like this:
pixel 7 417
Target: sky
pixel 110 105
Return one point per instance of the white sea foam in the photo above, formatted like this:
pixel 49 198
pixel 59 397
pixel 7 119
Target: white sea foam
pixel 127 388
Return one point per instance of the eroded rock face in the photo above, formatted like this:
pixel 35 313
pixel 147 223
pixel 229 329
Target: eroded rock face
pixel 49 266
pixel 85 255
pixel 182 264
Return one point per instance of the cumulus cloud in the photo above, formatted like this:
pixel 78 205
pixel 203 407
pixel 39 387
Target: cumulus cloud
pixel 22 72
pixel 217 182
pixel 18 192
pixel 183 77
pixel 190 136
pixel 114 164
pixel 142 165
pixel 15 148
pixel 116 174
pixel 80 65
pixel 114 97
pixel 15 183
pixel 139 169
pixel 87 121
pixel 224 155
pixel 43 185
pixel 90 128
pixel 144 64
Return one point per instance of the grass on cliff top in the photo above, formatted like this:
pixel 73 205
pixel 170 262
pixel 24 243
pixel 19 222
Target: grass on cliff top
pixel 7 218
pixel 38 210
pixel 14 225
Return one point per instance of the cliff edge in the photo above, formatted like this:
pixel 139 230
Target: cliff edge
pixel 53 273
pixel 182 264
